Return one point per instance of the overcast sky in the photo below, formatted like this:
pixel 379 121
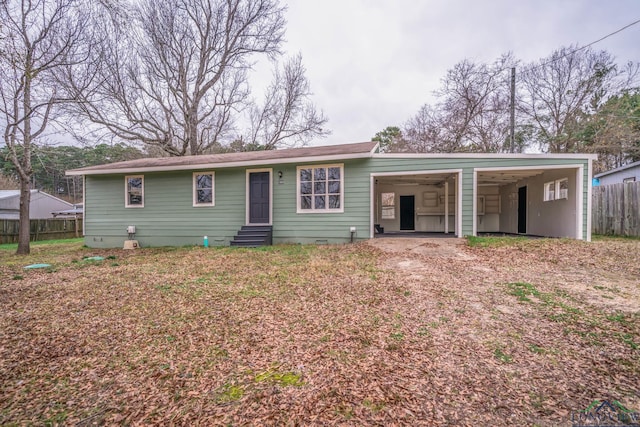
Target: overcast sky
pixel 373 63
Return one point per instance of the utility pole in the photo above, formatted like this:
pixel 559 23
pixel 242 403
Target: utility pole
pixel 513 109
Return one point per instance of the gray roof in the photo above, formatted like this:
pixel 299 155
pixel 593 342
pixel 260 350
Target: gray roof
pixel 326 152
pixel 6 194
pixel 621 168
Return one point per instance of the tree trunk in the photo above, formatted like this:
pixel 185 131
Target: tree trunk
pixel 25 224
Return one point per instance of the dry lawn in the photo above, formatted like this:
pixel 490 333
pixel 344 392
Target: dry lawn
pixel 389 332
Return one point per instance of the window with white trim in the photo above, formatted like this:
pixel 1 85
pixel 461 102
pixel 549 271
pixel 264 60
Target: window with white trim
pixel 562 188
pixel 203 189
pixel 556 190
pixel 549 191
pixel 320 188
pixel 134 191
pixel 388 205
pixel 629 179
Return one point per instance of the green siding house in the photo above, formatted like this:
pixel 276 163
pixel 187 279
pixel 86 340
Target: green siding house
pixel 335 194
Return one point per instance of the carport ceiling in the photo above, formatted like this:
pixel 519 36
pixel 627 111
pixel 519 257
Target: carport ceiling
pixel 430 179
pixel 498 177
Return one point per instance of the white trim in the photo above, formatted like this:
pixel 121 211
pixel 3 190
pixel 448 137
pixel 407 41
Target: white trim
pixel 589 195
pixel 247 195
pixel 457 175
pixel 483 156
pixel 84 203
pixel 126 192
pixel 195 189
pixel 530 167
pixel 580 202
pixel 474 223
pixel 459 206
pixel 299 210
pixel 220 165
pixel 446 207
pixel 372 206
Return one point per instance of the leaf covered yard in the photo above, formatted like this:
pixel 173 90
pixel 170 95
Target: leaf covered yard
pixel 387 332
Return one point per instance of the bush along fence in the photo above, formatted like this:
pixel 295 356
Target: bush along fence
pixel 41 229
pixel 615 209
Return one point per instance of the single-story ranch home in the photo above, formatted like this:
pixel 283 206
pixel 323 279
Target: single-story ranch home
pixel 334 194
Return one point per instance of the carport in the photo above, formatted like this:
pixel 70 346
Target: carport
pixel 541 201
pixel 416 202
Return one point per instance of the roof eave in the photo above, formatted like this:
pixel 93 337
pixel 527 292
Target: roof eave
pixel 202 166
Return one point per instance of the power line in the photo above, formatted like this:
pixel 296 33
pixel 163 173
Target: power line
pixel 585 46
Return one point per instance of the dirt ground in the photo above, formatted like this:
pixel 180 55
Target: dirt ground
pixel 414 258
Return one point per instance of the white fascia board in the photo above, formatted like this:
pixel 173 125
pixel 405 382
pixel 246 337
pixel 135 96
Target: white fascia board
pixel 201 166
pixel 524 168
pixel 417 172
pixel 584 156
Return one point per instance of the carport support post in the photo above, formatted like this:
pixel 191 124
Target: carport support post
pixel 446 207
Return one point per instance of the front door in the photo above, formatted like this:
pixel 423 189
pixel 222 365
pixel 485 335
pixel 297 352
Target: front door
pixel 407 213
pixel 522 210
pixel 259 197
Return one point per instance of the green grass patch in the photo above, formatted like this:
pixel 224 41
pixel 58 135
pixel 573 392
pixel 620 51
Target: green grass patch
pixel 56 242
pixel 283 379
pixel 230 393
pixel 502 356
pixel 493 242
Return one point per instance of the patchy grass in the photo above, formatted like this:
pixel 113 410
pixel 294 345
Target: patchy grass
pixel 494 241
pixel 322 335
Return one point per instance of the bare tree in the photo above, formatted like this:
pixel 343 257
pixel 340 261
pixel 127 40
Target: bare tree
pixel 37 37
pixel 175 75
pixel 557 91
pixel 287 113
pixel 471 112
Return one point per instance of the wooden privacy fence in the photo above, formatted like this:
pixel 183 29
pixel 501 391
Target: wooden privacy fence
pixel 41 229
pixel 615 209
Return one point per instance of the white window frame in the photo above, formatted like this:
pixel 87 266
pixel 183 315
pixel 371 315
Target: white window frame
pixel 390 208
pixel 326 210
pixel 549 191
pixel 559 194
pixel 629 179
pixel 195 189
pixel 126 191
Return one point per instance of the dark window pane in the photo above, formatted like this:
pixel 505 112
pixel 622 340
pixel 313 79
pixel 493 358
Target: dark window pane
pixel 135 183
pixel 334 187
pixel 204 196
pixel 305 202
pixel 320 187
pixel 320 202
pixel 135 199
pixel 305 174
pixel 320 174
pixel 334 202
pixel 334 173
pixel 305 188
pixel 204 181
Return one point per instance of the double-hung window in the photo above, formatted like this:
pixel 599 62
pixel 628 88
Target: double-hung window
pixel 134 191
pixel 320 188
pixel 203 189
pixel 388 205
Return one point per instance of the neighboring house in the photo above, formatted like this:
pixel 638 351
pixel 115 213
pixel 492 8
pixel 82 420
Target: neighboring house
pixel 42 204
pixel 627 173
pixel 330 194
